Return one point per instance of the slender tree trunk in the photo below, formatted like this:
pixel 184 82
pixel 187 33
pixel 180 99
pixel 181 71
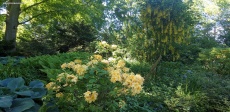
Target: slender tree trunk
pixel 13 11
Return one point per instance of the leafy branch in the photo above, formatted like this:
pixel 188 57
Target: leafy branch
pixel 35 17
pixel 33 5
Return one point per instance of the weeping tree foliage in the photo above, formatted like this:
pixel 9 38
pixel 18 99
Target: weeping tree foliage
pixel 165 24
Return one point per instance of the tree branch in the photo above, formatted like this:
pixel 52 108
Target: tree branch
pixel 33 5
pixel 35 17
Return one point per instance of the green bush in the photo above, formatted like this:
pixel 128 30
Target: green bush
pixel 216 60
pixel 95 85
pixel 16 97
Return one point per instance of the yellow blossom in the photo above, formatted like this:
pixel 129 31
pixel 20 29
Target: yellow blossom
pixel 64 65
pixel 78 61
pixel 92 62
pixel 136 88
pixel 72 78
pixel 138 79
pixel 90 96
pixel 124 76
pixel 59 95
pixel 115 76
pixel 125 69
pixel 120 63
pixel 109 69
pixel 61 77
pixel 82 69
pixel 97 57
pixel 70 64
pixel 52 86
pixel 129 80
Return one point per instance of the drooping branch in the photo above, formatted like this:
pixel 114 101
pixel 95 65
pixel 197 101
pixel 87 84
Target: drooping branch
pixel 33 5
pixel 35 17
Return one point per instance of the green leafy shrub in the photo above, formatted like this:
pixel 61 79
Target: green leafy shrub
pixel 37 67
pixel 16 97
pixel 96 85
pixel 216 60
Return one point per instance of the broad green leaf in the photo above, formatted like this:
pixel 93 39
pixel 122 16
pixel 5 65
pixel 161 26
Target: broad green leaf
pixel 38 92
pixel 22 104
pixel 5 101
pixel 16 83
pixel 5 82
pixel 25 93
pixel 36 84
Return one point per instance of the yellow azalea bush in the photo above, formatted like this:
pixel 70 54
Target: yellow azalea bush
pixel 92 84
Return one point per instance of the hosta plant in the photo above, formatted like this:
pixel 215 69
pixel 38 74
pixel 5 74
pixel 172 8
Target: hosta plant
pixel 15 96
pixel 97 85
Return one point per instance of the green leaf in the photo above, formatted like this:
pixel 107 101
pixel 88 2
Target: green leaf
pixel 51 73
pixel 35 108
pixel 38 92
pixel 6 101
pixel 16 83
pixel 36 84
pixel 25 93
pixel 92 80
pixel 22 104
pixel 5 82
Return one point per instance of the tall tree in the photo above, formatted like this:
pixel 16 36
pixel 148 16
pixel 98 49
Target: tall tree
pixel 13 9
pixel 166 23
pixel 42 12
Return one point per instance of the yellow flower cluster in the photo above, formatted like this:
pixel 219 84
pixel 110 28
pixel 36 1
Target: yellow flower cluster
pixel 53 86
pixel 131 81
pixel 117 73
pixel 59 95
pixel 120 64
pixel 67 78
pixel 90 96
pixel 97 57
pixel 76 66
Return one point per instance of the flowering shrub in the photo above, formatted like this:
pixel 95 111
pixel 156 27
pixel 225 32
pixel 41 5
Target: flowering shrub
pixel 95 85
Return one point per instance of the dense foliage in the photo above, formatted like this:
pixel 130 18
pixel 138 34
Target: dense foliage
pixel 90 54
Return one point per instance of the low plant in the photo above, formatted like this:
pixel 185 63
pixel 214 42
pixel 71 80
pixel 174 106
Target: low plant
pixel 97 85
pixel 16 97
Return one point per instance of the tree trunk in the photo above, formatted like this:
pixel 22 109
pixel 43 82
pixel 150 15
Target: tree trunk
pixel 13 11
